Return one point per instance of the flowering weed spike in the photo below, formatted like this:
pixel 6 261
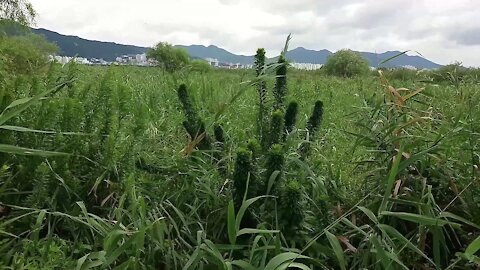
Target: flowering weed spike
pixel 291 212
pixel 276 129
pixel 193 124
pixel 280 90
pixel 242 173
pixel 316 118
pixel 291 116
pixel 262 92
pixel 312 126
pixel 275 162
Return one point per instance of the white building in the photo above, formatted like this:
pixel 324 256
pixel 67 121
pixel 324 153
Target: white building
pixel 306 66
pixel 141 58
pixel 212 61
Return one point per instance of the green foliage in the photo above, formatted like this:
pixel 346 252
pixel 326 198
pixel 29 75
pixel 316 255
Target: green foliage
pixel 316 118
pixel 313 124
pixel 453 73
pixel 393 183
pixel 291 210
pixel 346 63
pixel 193 124
pixel 24 54
pixel 200 66
pixel 277 127
pixel 170 58
pixel 280 90
pixel 219 134
pixel 291 116
pixel 244 177
pixel 262 92
pixel 401 74
pixel 274 168
pixel 254 146
pixel 20 11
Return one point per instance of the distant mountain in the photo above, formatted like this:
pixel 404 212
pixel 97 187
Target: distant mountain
pixel 73 45
pixel 403 60
pixel 213 51
pixel 302 55
pixel 76 46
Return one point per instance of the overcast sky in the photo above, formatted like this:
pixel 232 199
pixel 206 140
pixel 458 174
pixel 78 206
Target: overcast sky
pixel 441 30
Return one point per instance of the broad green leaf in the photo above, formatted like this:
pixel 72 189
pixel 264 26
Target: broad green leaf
pixel 453 216
pixel 337 249
pixel 369 214
pixel 398 236
pixel 17 150
pixel 473 247
pixel 293 265
pixel 381 255
pixel 212 249
pixel 193 259
pixel 243 209
pixel 242 264
pixel 232 231
pixel 280 259
pixel 420 219
pixel 114 254
pixel 24 129
pixel 391 179
pixel 38 225
pixel 16 107
pixel 255 231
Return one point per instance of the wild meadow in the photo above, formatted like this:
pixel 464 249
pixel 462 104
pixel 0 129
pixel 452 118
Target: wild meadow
pixel 137 168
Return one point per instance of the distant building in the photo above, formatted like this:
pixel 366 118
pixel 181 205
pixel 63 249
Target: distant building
pixel 213 62
pixel 306 66
pixel 141 58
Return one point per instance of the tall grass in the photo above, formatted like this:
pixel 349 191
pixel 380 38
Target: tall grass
pixel 390 180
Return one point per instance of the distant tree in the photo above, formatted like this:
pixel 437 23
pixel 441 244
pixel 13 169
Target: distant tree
pixel 25 54
pixel 200 66
pixel 20 11
pixel 169 57
pixel 347 63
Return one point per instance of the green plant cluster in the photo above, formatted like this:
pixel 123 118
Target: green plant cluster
pixel 260 168
pixel 347 63
pixel 96 171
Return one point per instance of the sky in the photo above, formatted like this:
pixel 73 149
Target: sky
pixel 443 31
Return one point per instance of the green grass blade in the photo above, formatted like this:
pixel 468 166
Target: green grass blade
pixel 232 229
pixel 337 249
pixel 16 108
pixel 420 219
pixel 280 259
pixel 17 150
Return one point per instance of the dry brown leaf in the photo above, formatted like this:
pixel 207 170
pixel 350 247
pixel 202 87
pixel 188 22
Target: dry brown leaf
pixel 346 243
pixel 398 184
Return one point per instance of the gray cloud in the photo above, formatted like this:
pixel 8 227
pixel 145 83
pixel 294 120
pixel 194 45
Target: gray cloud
pixel 442 31
pixel 466 36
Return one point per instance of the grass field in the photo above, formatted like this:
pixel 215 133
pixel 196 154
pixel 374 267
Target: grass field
pixel 101 173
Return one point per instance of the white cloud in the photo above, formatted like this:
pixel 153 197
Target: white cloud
pixel 443 31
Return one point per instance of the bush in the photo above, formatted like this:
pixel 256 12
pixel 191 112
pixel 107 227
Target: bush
pixel 200 66
pixel 453 73
pixel 24 54
pixel 169 57
pixel 403 74
pixel 347 63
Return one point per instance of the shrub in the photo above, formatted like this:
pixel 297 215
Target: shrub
pixel 169 57
pixel 347 63
pixel 200 66
pixel 24 54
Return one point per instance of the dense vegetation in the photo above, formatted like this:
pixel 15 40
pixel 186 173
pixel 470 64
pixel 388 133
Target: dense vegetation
pixel 347 63
pixel 271 168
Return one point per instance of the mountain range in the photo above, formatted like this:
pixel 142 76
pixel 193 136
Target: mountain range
pixel 76 46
